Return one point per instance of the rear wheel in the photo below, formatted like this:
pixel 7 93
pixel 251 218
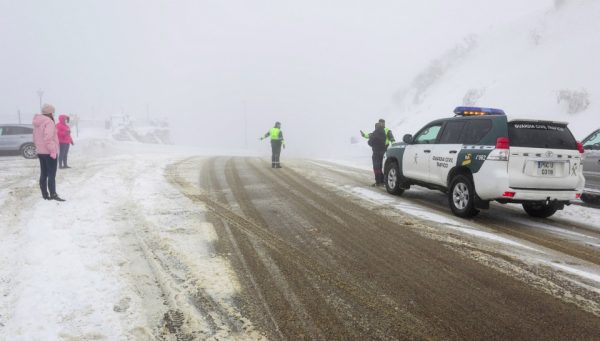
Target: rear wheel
pixel 461 197
pixel 590 199
pixel 392 178
pixel 28 151
pixel 539 210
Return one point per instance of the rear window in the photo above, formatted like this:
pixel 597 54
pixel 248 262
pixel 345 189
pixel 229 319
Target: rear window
pixel 540 135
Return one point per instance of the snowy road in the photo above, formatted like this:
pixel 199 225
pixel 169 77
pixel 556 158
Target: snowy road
pixel 322 263
pixel 161 245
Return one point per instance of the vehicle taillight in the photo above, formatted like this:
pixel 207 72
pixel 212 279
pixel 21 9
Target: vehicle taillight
pixel 580 147
pixel 509 194
pixel 502 143
pixel 577 195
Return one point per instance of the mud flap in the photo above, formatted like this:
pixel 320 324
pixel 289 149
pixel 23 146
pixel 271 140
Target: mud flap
pixel 481 204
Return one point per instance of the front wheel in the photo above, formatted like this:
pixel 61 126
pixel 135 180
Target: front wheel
pixel 461 197
pixel 539 210
pixel 392 178
pixel 28 151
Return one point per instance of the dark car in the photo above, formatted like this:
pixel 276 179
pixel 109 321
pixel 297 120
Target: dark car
pixel 591 168
pixel 17 138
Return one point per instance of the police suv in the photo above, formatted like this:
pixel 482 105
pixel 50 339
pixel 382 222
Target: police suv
pixel 479 156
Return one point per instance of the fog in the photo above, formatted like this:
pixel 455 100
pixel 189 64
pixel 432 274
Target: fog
pixel 222 72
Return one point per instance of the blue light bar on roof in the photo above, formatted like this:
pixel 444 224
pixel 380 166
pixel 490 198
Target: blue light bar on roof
pixel 477 111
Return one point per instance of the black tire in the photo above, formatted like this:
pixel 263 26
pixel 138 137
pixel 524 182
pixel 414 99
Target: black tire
pixel 393 178
pixel 590 199
pixel 461 197
pixel 539 210
pixel 28 151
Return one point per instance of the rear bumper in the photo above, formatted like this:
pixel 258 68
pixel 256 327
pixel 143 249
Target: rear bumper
pixel 492 182
pixel 523 195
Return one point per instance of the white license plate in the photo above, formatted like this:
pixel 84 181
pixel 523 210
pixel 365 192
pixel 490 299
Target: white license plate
pixel 545 168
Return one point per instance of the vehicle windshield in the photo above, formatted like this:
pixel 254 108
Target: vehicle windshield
pixel 536 134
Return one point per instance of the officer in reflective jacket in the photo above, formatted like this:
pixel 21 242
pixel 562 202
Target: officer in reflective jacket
pixel 389 137
pixel 277 142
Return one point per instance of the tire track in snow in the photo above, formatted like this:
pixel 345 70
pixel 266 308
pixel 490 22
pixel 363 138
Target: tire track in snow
pixel 304 261
pixel 515 226
pixel 545 279
pixel 211 184
pixel 295 180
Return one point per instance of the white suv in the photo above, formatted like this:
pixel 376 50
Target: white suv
pixel 479 156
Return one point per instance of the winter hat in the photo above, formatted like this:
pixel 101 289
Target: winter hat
pixel 48 109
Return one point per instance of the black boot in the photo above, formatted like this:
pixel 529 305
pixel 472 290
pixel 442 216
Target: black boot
pixel 45 196
pixel 56 197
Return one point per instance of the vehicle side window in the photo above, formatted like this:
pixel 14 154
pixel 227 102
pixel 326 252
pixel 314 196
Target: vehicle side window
pixel 452 131
pixel 428 135
pixel 1 130
pixel 475 131
pixel 593 142
pixel 21 131
pixel 16 131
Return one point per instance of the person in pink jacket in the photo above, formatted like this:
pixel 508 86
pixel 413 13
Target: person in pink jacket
pixel 64 139
pixel 46 145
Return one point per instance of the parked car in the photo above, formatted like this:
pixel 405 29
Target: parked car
pixel 479 156
pixel 17 138
pixel 591 168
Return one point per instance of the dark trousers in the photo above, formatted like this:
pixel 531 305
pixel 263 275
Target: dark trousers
pixel 62 157
pixel 47 175
pixel 276 152
pixel 378 166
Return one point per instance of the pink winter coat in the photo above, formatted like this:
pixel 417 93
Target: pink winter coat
pixel 44 135
pixel 63 130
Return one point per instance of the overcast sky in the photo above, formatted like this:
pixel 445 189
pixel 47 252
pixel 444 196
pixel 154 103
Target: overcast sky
pixel 323 68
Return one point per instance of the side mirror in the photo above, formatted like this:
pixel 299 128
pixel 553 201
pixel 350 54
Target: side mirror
pixel 407 139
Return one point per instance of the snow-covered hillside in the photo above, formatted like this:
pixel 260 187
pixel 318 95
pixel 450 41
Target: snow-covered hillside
pixel 545 65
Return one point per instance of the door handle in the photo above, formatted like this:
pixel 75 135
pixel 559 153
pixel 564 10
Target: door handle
pixel 453 152
pixel 427 151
